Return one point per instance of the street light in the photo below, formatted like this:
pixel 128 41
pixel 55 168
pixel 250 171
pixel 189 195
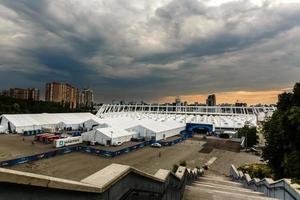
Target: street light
pixel 111 132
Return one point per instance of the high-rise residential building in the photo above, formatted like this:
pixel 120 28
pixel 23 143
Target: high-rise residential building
pixel 211 100
pixel 21 93
pixel 87 97
pixel 177 101
pixel 61 93
pixel 33 94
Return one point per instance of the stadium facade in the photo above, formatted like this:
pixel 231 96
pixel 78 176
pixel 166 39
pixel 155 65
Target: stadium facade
pixel 119 123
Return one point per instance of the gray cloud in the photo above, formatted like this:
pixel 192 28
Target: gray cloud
pixel 149 49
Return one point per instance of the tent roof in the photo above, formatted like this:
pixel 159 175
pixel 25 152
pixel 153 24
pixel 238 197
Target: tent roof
pixel 155 125
pixel 113 132
pixel 47 118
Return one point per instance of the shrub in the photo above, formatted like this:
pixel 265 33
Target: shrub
pixel 257 170
pixel 182 163
pixel 295 181
pixel 175 167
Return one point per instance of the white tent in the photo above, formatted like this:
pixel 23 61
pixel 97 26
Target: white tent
pixel 2 129
pixel 122 128
pixel 108 135
pixel 27 122
pixel 90 124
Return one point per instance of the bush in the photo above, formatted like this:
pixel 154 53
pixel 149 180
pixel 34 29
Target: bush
pixel 250 133
pixel 175 167
pixel 295 181
pixel 182 163
pixel 257 170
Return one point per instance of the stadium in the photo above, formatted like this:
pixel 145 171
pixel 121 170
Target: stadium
pixel 116 124
pixel 110 155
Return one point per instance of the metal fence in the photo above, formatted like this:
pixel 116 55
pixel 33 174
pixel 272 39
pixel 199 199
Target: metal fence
pixel 35 157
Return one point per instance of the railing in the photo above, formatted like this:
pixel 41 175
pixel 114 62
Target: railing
pixel 281 189
pixel 170 109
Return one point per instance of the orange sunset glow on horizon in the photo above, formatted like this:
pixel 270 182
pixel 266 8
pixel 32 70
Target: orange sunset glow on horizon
pixel 249 97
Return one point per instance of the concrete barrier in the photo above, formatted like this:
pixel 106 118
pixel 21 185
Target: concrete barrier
pixel 111 183
pixel 280 189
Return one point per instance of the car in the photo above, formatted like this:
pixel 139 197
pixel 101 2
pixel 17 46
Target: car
pixel 156 145
pixel 138 139
pixel 118 143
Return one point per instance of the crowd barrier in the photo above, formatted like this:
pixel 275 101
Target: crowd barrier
pixel 106 153
pixel 87 149
pixel 17 161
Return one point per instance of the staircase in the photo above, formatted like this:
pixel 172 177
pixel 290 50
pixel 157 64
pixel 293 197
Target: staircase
pixel 210 187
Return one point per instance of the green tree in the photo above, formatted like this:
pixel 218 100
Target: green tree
pixel 10 105
pixel 175 167
pixel 282 134
pixel 250 133
pixel 182 163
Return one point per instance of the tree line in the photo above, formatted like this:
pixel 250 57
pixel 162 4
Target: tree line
pixel 10 105
pixel 282 134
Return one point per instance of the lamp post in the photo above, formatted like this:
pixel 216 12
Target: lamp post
pixel 111 138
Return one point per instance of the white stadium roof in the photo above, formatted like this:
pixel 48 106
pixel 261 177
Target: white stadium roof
pixel 159 121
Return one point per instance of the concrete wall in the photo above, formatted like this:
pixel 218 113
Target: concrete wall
pixel 12 191
pixel 280 189
pixel 111 183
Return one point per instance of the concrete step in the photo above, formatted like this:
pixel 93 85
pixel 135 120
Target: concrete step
pixel 235 190
pixel 221 178
pixel 222 186
pixel 196 193
pixel 219 181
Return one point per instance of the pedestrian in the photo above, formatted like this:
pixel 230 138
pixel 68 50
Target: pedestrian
pixel 23 139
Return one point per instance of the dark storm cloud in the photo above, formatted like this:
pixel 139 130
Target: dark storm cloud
pixel 147 50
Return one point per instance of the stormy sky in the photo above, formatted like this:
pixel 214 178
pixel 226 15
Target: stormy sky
pixel 151 50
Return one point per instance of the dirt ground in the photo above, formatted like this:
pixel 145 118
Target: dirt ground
pixel 194 151
pixel 217 143
pixel 13 146
pixel 79 165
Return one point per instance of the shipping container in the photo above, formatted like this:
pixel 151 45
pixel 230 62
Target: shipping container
pixel 43 137
pixel 37 137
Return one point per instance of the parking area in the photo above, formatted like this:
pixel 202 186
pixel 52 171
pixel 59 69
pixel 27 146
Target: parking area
pixel 15 146
pixel 78 165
